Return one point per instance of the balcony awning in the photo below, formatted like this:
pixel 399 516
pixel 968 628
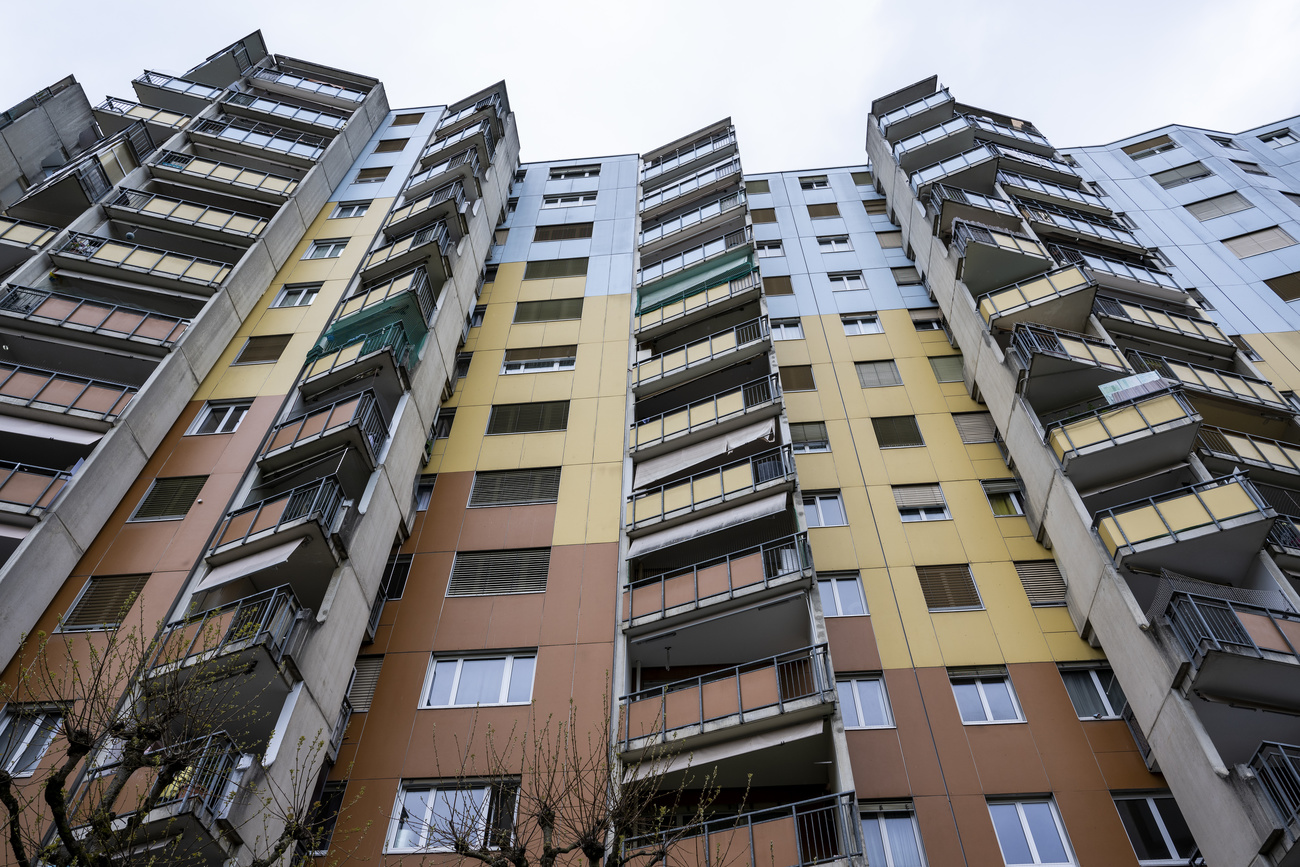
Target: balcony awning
pixel 704 756
pixel 653 470
pixel 245 566
pixel 713 523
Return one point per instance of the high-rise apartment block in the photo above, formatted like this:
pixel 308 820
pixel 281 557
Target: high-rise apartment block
pixel 938 510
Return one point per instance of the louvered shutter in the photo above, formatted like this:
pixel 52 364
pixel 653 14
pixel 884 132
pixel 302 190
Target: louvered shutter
pixel 918 496
pixel 103 601
pixel 169 498
pixel 808 432
pixel 1208 209
pixel 562 232
pixel 927 314
pixel 975 427
pixel 1042 581
pixel 551 268
pixel 875 374
pixel 862 179
pixel 541 353
pixel 947 368
pixel 365 676
pixel 497 573
pixel 906 276
pixel 529 417
pixel 515 487
pixel 948 587
pixel 548 311
pixel 897 430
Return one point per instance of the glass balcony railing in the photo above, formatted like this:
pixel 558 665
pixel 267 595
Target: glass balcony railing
pixel 320 501
pixel 1113 272
pixel 453 193
pixel 706 412
pixel 200 167
pixel 759 689
pixel 965 234
pixel 687 154
pixel 1036 292
pixel 941 193
pixel 286 112
pixel 179 85
pixel 436 235
pixel 272 619
pixel 1165 320
pixel 33 236
pixel 1204 625
pixel 330 354
pixel 697 298
pixel 491 101
pixel 978 155
pixel 189 213
pixel 1093 229
pixel 912 109
pixel 467 157
pixel 143 260
pixel 443 145
pixel 1030 340
pixel 948 128
pixel 360 411
pixel 1026 133
pixel 690 184
pixel 1235 446
pixel 27 489
pixel 239 130
pixel 1207 380
pixel 700 351
pixel 691 218
pixel 308 85
pixel 415 282
pixel 1176 515
pixel 1050 190
pixel 61 393
pixel 695 255
pixel 1056 167
pixel 709 488
pixel 94 317
pixel 125 108
pixel 1119 424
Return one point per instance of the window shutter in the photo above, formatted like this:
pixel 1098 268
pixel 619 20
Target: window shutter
pixel 890 240
pixel 1001 486
pixel 529 417
pixel 103 601
pixel 897 430
pixel 906 276
pixel 862 179
pixel 975 427
pixel 918 496
pixel 169 498
pixel 797 377
pixel 947 368
pixel 547 311
pixel 542 353
pixel 497 573
pixel 808 432
pixel 365 678
pixel 515 487
pixel 551 268
pixel 876 207
pixel 763 215
pixel 1208 209
pixel 777 286
pixel 1263 241
pixel 1181 175
pixel 925 314
pixel 262 349
pixel 875 374
pixel 1147 145
pixel 827 210
pixel 947 587
pixel 760 186
pixel 563 232
pixel 1042 581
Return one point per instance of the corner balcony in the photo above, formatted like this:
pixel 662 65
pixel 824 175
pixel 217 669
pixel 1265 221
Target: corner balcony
pixel 294 116
pixel 27 491
pixel 139 264
pixel 1063 367
pixel 20 240
pixel 702 219
pixel 1059 299
pixel 1050 220
pixel 670 595
pixel 386 353
pixel 1033 165
pixel 300 85
pixel 1127 440
pixel 974 169
pixel 114 115
pixel 1255 393
pixel 479 136
pixel 694 256
pixel 168 213
pixel 697 302
pixel 706 417
pixel 1213 529
pixel 935 144
pixel 445 203
pixel 1025 136
pixel 58 397
pixel 916 116
pixel 357 422
pixel 262 140
pixel 223 177
pixel 430 246
pixel 464 166
pixel 407 297
pixel 1053 194
pixel 168 91
pixel 711 490
pixel 1267 459
pixel 992 258
pixel 701 356
pixel 75 318
pixel 730 702
pixel 951 203
pixel 1163 325
pixel 80 183
pixel 697 185
pixel 1117 274
pixel 454 121
pixel 667 166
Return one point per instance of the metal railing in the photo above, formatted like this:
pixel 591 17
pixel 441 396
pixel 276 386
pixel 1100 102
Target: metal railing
pixel 1237 446
pixel 1194 507
pixel 1277 768
pixel 484 129
pixel 492 101
pixel 438 234
pixel 1127 420
pixel 1096 228
pixel 63 393
pixel 26 234
pixel 309 85
pixel 415 282
pixel 912 109
pixel 940 193
pixel 339 353
pixel 469 157
pixel 262 135
pixel 1030 339
pixel 1102 266
pixel 190 213
pixel 140 111
pixel 701 350
pixel 340 727
pixel 89 171
pixel 43 95
pixel 95 317
pixel 689 184
pixel 453 192
pixel 702 413
pixel 321 500
pixel 209 784
pixel 706 294
pixel 30 488
pixel 709 487
pixel 1028 133
pixel 228 173
pixel 949 127
pixel 1026 293
pixel 1156 317
pixel 718 578
pixel 272 618
pixel 145 260
pixel 287 111
pixel 1207 379
pixel 965 233
pixel 360 410
pixel 695 255
pixel 1285 534
pixel 179 85
pixel 686 154
pixel 1135 729
pixel 977 155
pixel 1035 160
pixel 1047 188
pixel 692 218
pixel 1203 624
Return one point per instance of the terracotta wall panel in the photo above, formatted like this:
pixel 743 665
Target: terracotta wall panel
pixel 878 767
pixel 948 732
pixel 1063 746
pixel 1006 758
pixel 1095 830
pixel 919 753
pixel 934 816
pixel 853 644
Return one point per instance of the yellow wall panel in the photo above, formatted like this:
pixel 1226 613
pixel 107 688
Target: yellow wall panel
pixel 536 449
pixel 603 519
pixel 966 638
pixel 611 430
pixel 793 352
pixel 580 438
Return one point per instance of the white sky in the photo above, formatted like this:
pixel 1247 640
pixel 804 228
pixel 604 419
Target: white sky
pixel 797 78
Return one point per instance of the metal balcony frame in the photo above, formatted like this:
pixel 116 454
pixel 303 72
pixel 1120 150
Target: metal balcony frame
pixel 321 500
pixel 9 469
pixel 1170 533
pixel 23 302
pixel 781 458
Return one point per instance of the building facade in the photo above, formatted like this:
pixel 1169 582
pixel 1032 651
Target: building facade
pixel 935 510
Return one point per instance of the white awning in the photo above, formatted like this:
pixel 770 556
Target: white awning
pixel 719 521
pixel 703 756
pixel 650 471
pixel 245 566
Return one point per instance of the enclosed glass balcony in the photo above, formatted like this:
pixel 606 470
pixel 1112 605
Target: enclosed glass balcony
pixel 708 353
pixel 167 212
pixel 706 416
pixel 283 112
pixel 222 176
pixel 356 421
pixel 993 258
pixel 1060 299
pixel 703 491
pixel 297 83
pixel 114 321
pixel 47 391
pixel 1055 194
pixel 1062 367
pixel 951 203
pixel 150 265
pixel 443 203
pixel 465 164
pixel 710 249
pixel 916 116
pixel 696 303
pixel 430 245
pixel 698 183
pixel 1164 325
pixel 27 490
pixel 1207 380
pixel 261 139
pixel 682 157
pixel 440 149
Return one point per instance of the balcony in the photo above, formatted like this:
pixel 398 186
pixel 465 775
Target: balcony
pixel 453 121
pixel 1059 299
pixel 386 352
pixel 935 144
pixel 356 422
pixel 242 135
pixel 1163 325
pixel 20 240
pixel 158 88
pixel 1053 194
pixel 1208 530
pixel 294 84
pixel 1117 274
pixel 668 165
pixel 27 491
pixel 974 169
pixel 917 115
pixel 111 324
pixel 464 164
pixel 695 303
pixel 64 195
pixel 221 177
pixel 710 353
pixel 164 212
pixel 821 830
pixel 1268 459
pixel 1128 440
pixel 114 115
pixel 699 184
pixel 992 258
pixel 407 297
pixel 1024 136
pixel 1042 167
pixel 137 263
pixel 1051 220
pixel 444 203
pixel 699 219
pixel 295 116
pixel 711 490
pixel 951 203
pixel 706 417
pixel 38 393
pixel 1063 367
pixel 1277 772
pixel 430 245
pixel 697 255
pixel 1217 383
pixel 479 135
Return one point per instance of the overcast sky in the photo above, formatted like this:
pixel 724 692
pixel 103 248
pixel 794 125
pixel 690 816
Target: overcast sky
pixel 797 77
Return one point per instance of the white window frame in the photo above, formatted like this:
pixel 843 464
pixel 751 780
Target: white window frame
pixel 876 812
pixel 328 248
pixel 816 507
pixel 814 182
pixel 423 827
pixel 979 680
pixel 769 249
pixel 1024 826
pixel 834 243
pixel 226 408
pixel 857 703
pixel 569 173
pixel 919 514
pixel 847 281
pixel 861 321
pixel 809 447
pixel 1017 499
pixel 348 210
pixel 1160 825
pixel 292 295
pixel 1279 138
pixel 539 365
pixel 460 661
pixel 780 327
pixel 835 581
pixel 568 200
pixel 1101 692
pixel 35 717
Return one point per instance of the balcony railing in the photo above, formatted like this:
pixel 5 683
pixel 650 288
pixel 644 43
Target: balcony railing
pixel 964 234
pixel 695 255
pixel 1095 229
pixel 1156 317
pixel 730 696
pixel 1035 160
pixel 940 193
pixel 360 411
pixel 145 260
pixel 1103 267
pixel 62 393
pixel 710 487
pixel 147 113
pixel 977 155
pixel 1210 381
pixel 1028 293
pixel 285 111
pixel 189 213
pixel 687 153
pixel 718 578
pixel 238 176
pixel 699 351
pixel 467 157
pixel 1262 452
pixel 25 234
pixel 1030 340
pixel 331 354
pixel 441 145
pixel 706 412
pixel 816 831
pixel 1277 768
pixel 1051 190
pixel 912 109
pixel 253 133
pixel 94 317
pixel 309 85
pixel 436 234
pixel 492 101
pixel 691 218
pixel 929 136
pixel 696 298
pixel 415 282
pixel 1026 134
pixel 179 85
pixel 1117 424
pixel 29 489
pixel 1204 624
pixel 272 619
pixel 320 500
pixel 1169 517
pixel 453 192
pixel 689 184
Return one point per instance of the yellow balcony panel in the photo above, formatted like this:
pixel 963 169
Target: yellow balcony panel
pixel 953 203
pixel 479 135
pixel 1165 325
pixel 1201 380
pixel 710 353
pixel 166 212
pixel 443 203
pixel 1072 225
pixel 20 240
pixel 1268 459
pixel 1113 273
pixel 1063 368
pixel 464 165
pixel 115 115
pixel 992 258
pixel 1127 440
pixel 263 140
pixel 430 245
pixel 1060 299
pixel 387 352
pixel 698 303
pixel 125 261
pixel 223 177
pixel 706 417
pixel 710 490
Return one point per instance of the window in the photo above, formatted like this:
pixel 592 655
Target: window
pixel 929 319
pixel 769 249
pixel 103 602
pixel 442 424
pixel 540 359
pixel 520 175
pixel 908 276
pixel 515 487
pixel 824 509
pixel 1294 198
pixel 365 677
pixel 1279 139
pixel 471 681
pixel 863 179
pixel 262 350
pixel 512 204
pixel 1287 286
pixel 463 361
pixel 499 573
pixel 562 173
pixel 569 200
pixel 391 145
pixel 169 499
pixel 297 295
pixel 948 588
pixel 407 119
pixel 985 696
pixel 220 417
pixel 823 212
pixel 1292 398
pixel 797 377
pixel 562 232
pixel 891 836
pixel 1255 243
pixel 548 311
pixel 763 215
pixel 841 594
pixel 921 503
pixel 326 816
pixel 814 182
pixel 1181 175
pixel 427 817
pixel 890 240
pixel 787 329
pixel 500 237
pixel 548 269
pixel 424 493
pixel 875 207
pixel 777 286
pixel 330 249
pixel 1150 147
pixel 1250 168
pixel 1199 297
pixel 509 418
pixel 1156 829
pixel 350 209
pixel 846 281
pixel 864 323
pixel 1005 497
pixel 372 176
pixel 834 244
pixel 947 368
pixel 1030 832
pixel 877 374
pixel 26 731
pixel 809 436
pixel 897 431
pixel 1042 580
pixel 1226 143
pixel 395 575
pixel 476 316
pixel 975 427
pixel 1094 691
pixel 863 703
pixel 760 186
pixel 1208 209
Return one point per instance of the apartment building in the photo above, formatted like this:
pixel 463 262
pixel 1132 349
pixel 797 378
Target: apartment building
pixel 935 510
